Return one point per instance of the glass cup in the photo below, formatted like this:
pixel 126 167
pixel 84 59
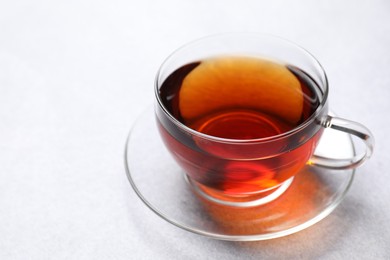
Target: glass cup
pixel 243 113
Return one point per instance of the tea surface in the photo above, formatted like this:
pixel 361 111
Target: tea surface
pixel 239 97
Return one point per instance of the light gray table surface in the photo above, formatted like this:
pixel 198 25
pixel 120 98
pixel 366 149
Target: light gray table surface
pixel 74 76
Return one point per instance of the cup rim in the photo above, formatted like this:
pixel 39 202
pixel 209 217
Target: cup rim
pixel 296 129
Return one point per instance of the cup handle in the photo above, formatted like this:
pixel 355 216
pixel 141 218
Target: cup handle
pixel 352 128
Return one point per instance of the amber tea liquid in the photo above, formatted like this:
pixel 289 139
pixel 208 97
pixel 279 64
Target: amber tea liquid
pixel 242 99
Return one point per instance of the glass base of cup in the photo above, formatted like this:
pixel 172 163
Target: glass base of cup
pixel 244 201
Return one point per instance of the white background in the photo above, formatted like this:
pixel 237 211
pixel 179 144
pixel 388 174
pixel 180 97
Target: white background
pixel 74 75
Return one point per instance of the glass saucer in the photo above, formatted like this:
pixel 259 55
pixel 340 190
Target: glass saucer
pixel 160 184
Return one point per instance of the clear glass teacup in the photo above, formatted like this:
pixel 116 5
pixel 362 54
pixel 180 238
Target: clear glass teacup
pixel 242 114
